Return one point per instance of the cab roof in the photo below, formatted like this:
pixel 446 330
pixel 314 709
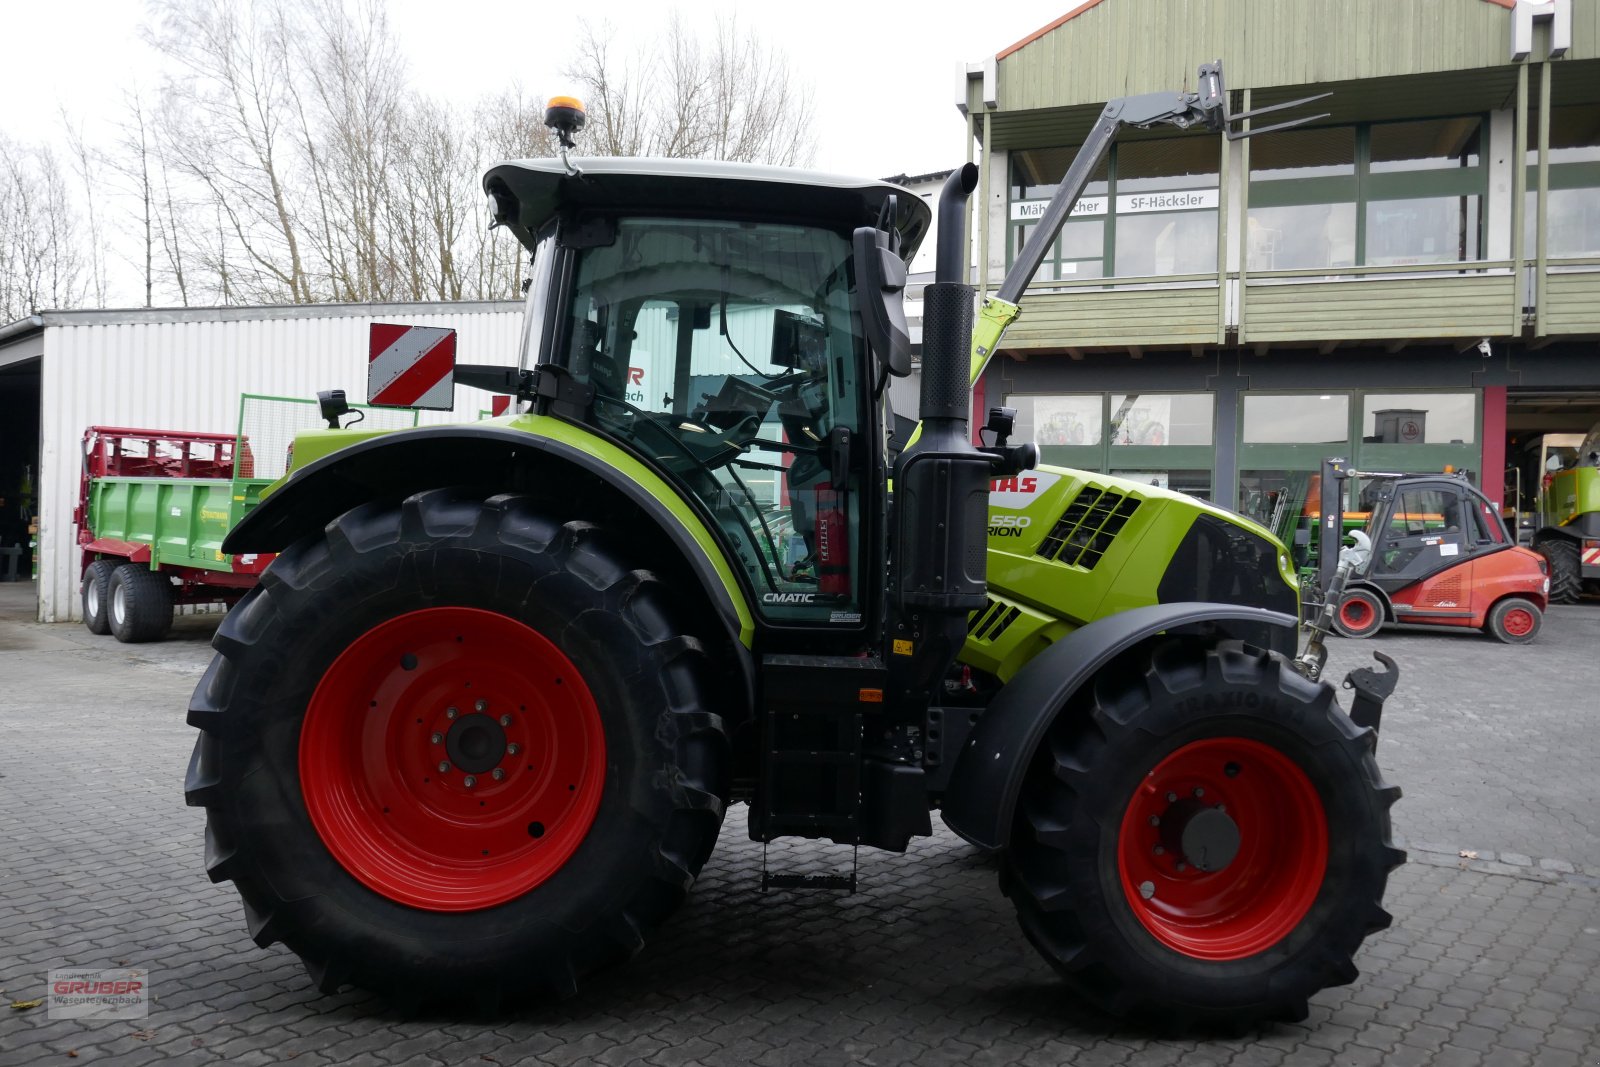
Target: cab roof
pixel 528 193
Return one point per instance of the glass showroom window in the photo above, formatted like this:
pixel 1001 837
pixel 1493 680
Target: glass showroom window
pixel 1296 418
pixel 1160 419
pixel 1419 418
pixel 1058 421
pixel 1303 200
pixel 1573 227
pixel 1080 249
pixel 1151 210
pixel 1424 191
pixel 1165 211
pixel 1380 194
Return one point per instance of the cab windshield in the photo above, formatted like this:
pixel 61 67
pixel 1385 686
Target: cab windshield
pixel 725 354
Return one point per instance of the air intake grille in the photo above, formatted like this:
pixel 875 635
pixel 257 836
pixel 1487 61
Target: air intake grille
pixel 1088 526
pixel 992 621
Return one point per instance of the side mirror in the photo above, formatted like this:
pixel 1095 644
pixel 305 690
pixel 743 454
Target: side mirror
pixel 1553 464
pixel 880 299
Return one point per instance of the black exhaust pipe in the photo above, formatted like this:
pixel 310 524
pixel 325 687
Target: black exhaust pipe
pixel 941 482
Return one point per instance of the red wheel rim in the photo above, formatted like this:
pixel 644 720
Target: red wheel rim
pixel 1356 614
pixel 380 724
pixel 1518 622
pixel 1244 906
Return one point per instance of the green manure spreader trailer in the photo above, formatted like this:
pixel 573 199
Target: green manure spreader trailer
pixel 472 737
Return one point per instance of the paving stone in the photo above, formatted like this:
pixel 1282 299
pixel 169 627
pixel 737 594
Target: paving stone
pixel 1488 960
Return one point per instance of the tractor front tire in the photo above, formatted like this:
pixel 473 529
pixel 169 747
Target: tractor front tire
pixel 457 752
pixel 138 604
pixel 1515 621
pixel 1566 571
pixel 96 587
pixel 1202 839
pixel 1360 614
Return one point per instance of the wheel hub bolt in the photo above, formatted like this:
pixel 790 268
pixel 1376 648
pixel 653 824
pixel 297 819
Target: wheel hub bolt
pixel 1160 851
pixel 480 705
pixel 1147 889
pixel 1181 865
pixel 513 748
pixel 437 739
pixel 498 774
pixel 505 720
pixel 1172 798
pixel 1199 792
pixel 451 713
pixel 444 765
pixel 469 781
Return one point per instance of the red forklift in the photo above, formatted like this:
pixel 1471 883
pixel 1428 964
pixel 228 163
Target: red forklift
pixel 1432 555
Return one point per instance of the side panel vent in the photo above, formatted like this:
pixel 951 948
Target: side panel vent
pixel 1088 526
pixel 992 621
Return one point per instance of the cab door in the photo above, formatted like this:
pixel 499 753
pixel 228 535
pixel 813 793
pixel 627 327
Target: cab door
pixel 1430 528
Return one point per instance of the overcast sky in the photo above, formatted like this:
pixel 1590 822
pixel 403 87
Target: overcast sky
pixel 884 73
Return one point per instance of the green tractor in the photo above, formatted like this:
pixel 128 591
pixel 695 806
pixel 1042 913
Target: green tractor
pixel 474 734
pixel 1568 534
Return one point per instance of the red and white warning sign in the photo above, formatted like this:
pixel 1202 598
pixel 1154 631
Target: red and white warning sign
pixel 1591 553
pixel 411 366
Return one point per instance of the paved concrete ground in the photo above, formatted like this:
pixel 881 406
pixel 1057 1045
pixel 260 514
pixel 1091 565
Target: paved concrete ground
pixel 1491 960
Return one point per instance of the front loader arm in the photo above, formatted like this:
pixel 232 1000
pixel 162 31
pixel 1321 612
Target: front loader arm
pixel 1207 107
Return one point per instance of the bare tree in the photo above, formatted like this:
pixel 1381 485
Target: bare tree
pixel 731 96
pixel 43 262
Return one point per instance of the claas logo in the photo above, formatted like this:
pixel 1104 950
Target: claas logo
pixel 1014 485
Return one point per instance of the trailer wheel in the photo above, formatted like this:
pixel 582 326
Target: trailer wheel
pixel 1515 621
pixel 1566 570
pixel 455 751
pixel 1203 838
pixel 138 604
pixel 96 585
pixel 1360 614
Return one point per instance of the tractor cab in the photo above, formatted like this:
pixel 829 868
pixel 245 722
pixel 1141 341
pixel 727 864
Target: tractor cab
pixel 1435 555
pixel 1423 526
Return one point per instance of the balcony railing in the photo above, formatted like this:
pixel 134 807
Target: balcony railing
pixel 1383 303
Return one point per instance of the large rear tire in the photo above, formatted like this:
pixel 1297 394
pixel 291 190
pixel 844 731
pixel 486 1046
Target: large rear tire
pixel 1566 571
pixel 96 604
pixel 457 751
pixel 1202 838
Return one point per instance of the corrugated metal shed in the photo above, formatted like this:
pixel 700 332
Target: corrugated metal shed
pixel 185 369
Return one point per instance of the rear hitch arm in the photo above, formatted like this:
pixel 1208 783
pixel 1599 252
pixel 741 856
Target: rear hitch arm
pixel 1371 689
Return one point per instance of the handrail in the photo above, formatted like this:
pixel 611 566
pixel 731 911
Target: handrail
pixel 1573 261
pixel 1159 279
pixel 1475 266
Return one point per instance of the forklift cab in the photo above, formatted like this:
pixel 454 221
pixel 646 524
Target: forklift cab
pixel 1422 526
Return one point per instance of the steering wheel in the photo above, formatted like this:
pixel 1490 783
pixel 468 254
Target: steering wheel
pixel 706 446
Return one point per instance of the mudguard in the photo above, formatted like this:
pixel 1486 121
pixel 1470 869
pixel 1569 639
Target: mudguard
pixel 987 778
pixel 495 457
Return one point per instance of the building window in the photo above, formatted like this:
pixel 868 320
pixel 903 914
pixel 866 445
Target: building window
pixel 1150 211
pixel 1160 419
pixel 1296 418
pixel 1378 194
pixel 1573 207
pixel 1419 418
pixel 1057 421
pixel 1303 200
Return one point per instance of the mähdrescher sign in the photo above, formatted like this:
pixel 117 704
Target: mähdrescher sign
pixel 1127 204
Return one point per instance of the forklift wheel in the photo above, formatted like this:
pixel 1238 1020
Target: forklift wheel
pixel 1360 614
pixel 1203 839
pixel 1515 621
pixel 457 752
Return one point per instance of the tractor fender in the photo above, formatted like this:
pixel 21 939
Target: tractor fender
pixel 987 777
pixel 497 459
